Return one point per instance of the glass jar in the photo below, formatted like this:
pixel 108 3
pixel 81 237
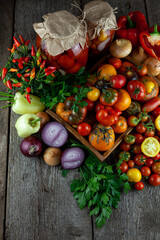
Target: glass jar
pixel 70 61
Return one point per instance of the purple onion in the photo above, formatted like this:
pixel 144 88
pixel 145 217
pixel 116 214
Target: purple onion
pixel 72 158
pixel 31 146
pixel 54 134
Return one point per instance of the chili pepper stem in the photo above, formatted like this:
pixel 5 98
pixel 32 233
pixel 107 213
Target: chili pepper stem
pixel 130 24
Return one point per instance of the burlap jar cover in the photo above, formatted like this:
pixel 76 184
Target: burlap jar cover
pixel 61 31
pixel 99 16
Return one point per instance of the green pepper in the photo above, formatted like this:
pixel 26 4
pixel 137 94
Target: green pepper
pixel 109 97
pixel 22 106
pixel 27 124
pixel 134 108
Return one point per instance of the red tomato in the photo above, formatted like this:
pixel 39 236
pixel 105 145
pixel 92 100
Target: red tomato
pixel 130 163
pixel 118 81
pixel 141 69
pixel 124 167
pixel 99 107
pixel 136 89
pixel 139 138
pixel 154 180
pixel 143 119
pixel 146 171
pixel 106 119
pixel 140 159
pixel 156 112
pixel 125 146
pixel 90 105
pixel 84 129
pixel 125 67
pixel 140 128
pixel 137 148
pixel 115 62
pixel 157 157
pixel 139 185
pixel 149 162
pixel 132 121
pixel 66 62
pixel 156 167
pixel 150 133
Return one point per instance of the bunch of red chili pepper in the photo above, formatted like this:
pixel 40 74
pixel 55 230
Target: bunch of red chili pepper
pixel 20 72
pixel 134 27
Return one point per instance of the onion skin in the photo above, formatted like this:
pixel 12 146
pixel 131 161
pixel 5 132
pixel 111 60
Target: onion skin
pixel 72 158
pixel 54 134
pixel 138 55
pixel 31 146
pixel 44 119
pixel 52 156
pixel 120 48
pixel 153 65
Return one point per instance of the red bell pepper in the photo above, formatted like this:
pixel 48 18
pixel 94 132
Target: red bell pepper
pixel 151 42
pixel 130 26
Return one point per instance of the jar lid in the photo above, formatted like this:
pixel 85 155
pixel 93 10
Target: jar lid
pixel 99 16
pixel 61 31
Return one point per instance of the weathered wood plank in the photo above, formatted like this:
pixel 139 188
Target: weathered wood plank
pixel 39 202
pixel 152 8
pixel 6 29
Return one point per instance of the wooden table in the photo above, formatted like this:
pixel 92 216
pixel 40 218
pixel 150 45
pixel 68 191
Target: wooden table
pixel 35 200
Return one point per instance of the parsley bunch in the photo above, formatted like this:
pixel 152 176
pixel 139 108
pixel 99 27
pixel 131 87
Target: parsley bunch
pixel 99 187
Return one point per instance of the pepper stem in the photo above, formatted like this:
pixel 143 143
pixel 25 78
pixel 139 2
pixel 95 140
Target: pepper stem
pixel 155 30
pixel 32 122
pixel 130 24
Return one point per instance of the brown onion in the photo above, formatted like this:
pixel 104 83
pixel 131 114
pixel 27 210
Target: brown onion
pixel 120 48
pixel 138 55
pixel 52 156
pixel 153 65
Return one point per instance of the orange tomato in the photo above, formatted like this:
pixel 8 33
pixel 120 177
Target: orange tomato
pixel 120 126
pixel 106 72
pixel 124 100
pixel 102 137
pixel 64 114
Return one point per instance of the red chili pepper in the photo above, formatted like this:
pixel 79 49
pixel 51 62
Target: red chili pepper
pixel 33 52
pixel 43 64
pixel 28 89
pixel 25 79
pixel 21 39
pixel 9 49
pixel 49 70
pixel 130 26
pixel 17 43
pixel 20 65
pixel 28 98
pixel 18 60
pixel 28 70
pixel 13 49
pixel 33 73
pixel 38 53
pixel 19 75
pixel 26 59
pixel 151 42
pixel 27 75
pixel 13 70
pixel 9 84
pixel 17 84
pixel 26 43
pixel 4 72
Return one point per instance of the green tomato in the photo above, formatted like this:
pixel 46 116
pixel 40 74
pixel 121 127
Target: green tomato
pixel 130 139
pixel 27 124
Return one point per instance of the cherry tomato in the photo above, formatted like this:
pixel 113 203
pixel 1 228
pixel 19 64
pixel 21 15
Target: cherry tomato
pixel 125 67
pixel 141 69
pixel 124 167
pixel 125 146
pixel 116 62
pixel 99 107
pixel 84 129
pixel 157 157
pixel 125 156
pixel 140 128
pixel 118 81
pixel 130 163
pixel 130 139
pixel 156 167
pixel 109 97
pixel 90 105
pixel 143 119
pixel 156 112
pixel 132 121
pixel 150 133
pixel 140 159
pixel 154 179
pixel 139 138
pixel 139 186
pixel 131 75
pixel 146 171
pixel 149 162
pixel 136 89
pixel 94 94
pixel 137 148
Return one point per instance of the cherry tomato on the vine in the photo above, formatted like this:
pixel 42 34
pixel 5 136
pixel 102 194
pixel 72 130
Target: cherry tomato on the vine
pixel 146 171
pixel 137 148
pixel 125 146
pixel 154 179
pixel 124 167
pixel 132 121
pixel 139 138
pixel 130 139
pixel 140 159
pixel 144 118
pixel 140 128
pixel 139 186
pixel 84 129
pixel 150 133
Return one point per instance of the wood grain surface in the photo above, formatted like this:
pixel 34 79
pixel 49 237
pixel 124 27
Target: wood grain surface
pixel 36 202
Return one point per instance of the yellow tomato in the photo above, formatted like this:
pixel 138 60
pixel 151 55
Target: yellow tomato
pixel 149 86
pixel 157 123
pixel 134 175
pixel 94 94
pixel 106 71
pixel 150 147
pixel 102 36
